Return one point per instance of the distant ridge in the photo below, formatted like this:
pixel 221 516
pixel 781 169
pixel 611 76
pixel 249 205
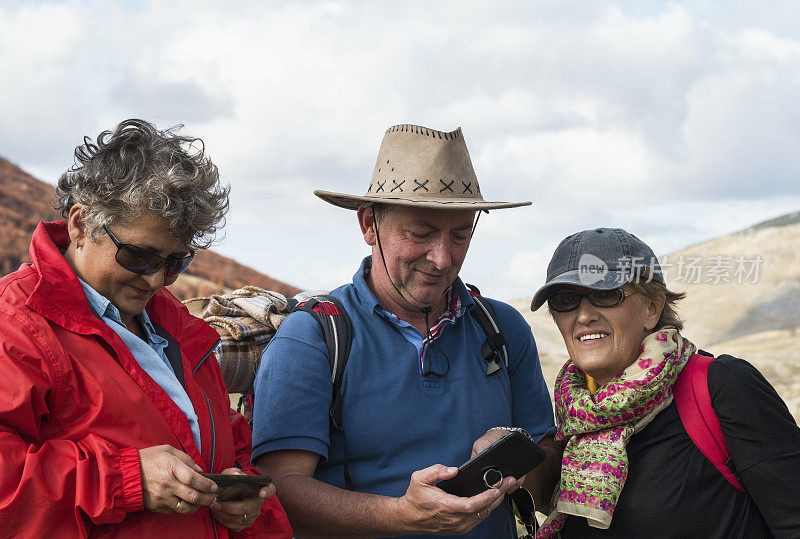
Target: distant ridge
pixel 25 200
pixel 784 220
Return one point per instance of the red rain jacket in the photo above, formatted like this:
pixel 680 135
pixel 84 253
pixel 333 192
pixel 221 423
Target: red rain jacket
pixel 75 408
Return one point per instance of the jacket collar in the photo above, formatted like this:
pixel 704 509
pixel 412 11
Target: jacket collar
pixel 59 297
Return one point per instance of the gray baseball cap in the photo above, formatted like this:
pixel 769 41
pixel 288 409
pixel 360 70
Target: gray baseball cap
pixel 601 259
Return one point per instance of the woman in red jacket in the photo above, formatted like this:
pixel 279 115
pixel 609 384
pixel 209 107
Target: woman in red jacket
pixel 111 401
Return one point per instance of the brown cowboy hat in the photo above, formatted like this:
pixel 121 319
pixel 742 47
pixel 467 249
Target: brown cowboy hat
pixel 422 168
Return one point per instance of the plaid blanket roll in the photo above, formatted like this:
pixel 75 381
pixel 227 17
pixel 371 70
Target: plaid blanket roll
pixel 246 319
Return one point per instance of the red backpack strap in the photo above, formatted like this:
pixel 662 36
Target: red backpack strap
pixel 699 419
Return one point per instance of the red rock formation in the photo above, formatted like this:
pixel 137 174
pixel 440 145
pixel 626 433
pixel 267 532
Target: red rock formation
pixel 24 201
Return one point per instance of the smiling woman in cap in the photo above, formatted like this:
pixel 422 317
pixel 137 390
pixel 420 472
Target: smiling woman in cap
pixel 638 461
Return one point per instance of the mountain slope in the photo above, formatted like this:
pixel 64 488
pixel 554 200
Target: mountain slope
pixel 24 201
pixel 749 282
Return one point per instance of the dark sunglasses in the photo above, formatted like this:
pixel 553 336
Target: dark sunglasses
pixel 563 302
pixel 145 262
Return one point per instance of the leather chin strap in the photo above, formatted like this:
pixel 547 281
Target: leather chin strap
pixel 380 249
pixel 425 310
pixel 431 343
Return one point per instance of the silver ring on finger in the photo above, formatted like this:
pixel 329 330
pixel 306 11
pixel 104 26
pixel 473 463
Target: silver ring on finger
pixel 497 483
pixel 178 506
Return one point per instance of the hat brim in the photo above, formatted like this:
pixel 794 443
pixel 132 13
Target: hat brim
pixel 352 202
pixel 609 281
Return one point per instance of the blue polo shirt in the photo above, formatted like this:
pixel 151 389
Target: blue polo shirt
pixel 396 420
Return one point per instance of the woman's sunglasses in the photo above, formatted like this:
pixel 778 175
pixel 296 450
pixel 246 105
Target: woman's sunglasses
pixel 145 262
pixel 563 302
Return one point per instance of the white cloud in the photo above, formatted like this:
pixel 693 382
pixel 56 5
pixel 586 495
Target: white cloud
pixel 38 105
pixel 528 270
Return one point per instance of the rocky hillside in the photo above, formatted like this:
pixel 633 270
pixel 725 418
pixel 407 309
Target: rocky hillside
pixel 24 201
pixel 742 298
pixel 747 301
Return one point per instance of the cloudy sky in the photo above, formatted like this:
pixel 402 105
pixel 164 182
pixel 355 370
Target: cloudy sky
pixel 677 121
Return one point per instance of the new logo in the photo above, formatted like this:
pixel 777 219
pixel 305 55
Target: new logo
pixel 591 269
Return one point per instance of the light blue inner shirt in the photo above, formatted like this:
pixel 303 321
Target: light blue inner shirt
pixel 150 354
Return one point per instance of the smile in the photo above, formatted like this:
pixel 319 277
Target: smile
pixel 592 337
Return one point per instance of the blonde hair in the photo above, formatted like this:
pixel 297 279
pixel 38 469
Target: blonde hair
pixel 653 290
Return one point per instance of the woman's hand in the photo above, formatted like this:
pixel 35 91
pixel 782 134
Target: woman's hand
pixel 240 515
pixel 488 439
pixel 171 481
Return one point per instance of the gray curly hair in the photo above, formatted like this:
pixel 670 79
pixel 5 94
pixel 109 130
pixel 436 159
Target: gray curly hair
pixel 137 169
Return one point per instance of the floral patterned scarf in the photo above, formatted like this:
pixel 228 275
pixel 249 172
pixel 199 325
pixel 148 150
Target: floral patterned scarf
pixel 597 427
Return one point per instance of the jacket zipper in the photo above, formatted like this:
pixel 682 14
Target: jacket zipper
pixel 213 452
pixel 213 429
pixel 213 435
pixel 205 356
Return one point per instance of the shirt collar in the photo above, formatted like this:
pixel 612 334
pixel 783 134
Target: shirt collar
pixel 103 308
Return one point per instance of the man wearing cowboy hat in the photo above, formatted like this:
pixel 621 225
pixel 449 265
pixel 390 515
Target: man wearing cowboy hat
pixel 416 389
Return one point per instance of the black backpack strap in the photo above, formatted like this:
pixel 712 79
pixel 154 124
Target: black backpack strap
pixel 494 348
pixel 337 330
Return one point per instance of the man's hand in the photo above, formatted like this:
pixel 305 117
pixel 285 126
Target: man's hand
pixel 241 514
pixel 171 481
pixel 428 509
pixel 424 508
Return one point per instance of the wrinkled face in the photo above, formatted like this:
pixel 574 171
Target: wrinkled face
pixel 94 260
pixel 604 341
pixel 423 248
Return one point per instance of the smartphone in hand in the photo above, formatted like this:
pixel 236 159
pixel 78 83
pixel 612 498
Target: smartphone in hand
pixel 233 487
pixel 513 455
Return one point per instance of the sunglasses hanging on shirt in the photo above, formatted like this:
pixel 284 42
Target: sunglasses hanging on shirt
pixel 427 350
